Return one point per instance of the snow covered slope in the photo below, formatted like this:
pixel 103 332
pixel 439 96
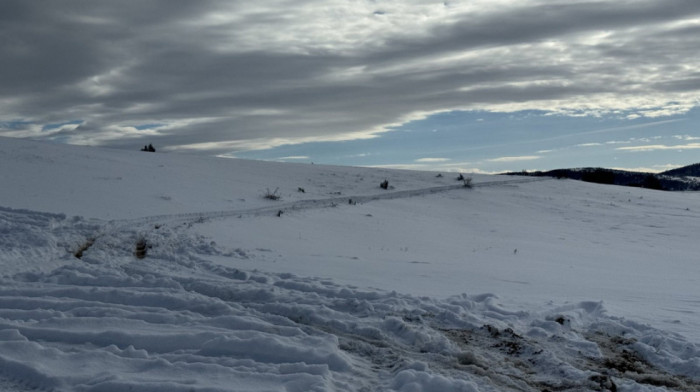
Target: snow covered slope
pixel 511 285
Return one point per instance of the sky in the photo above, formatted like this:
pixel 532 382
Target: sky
pixel 478 85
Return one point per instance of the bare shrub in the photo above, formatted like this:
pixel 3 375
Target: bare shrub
pixel 83 247
pixel 274 195
pixel 141 247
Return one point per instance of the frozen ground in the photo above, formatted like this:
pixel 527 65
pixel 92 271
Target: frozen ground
pixel 512 285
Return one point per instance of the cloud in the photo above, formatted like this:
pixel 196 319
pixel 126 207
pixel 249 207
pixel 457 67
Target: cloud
pixel 222 77
pixel 462 167
pixel 589 145
pixel 686 137
pixel 657 147
pixel 431 160
pixel 653 169
pixel 515 159
pixel 292 158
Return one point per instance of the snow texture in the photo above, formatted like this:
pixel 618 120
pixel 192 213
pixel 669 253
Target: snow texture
pixel 163 272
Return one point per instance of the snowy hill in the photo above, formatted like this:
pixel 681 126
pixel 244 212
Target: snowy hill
pixel 514 284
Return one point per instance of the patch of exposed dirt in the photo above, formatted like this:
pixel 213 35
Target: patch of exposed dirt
pixel 621 361
pixel 521 360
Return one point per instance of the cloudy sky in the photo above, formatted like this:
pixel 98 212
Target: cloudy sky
pixel 482 85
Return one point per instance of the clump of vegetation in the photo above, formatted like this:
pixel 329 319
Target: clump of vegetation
pixel 149 148
pixel 384 184
pixel 141 247
pixel 467 182
pixel 87 244
pixel 272 195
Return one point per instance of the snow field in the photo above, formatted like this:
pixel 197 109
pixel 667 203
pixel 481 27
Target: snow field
pixel 516 286
pixel 177 321
pixel 558 241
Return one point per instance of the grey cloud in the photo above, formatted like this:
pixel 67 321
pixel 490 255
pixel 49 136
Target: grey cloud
pixel 119 64
pixel 689 84
pixel 520 25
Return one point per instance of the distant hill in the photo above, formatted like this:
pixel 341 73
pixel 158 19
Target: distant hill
pixel 681 179
pixel 685 171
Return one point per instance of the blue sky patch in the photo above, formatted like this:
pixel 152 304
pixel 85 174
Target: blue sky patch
pixel 526 140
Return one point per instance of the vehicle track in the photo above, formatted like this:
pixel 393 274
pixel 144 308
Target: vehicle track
pixel 144 225
pixel 196 217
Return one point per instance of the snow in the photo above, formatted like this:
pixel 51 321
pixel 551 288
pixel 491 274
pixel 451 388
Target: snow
pixel 511 285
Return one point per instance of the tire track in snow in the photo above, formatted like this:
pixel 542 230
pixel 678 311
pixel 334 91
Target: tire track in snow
pixel 140 226
pixel 195 217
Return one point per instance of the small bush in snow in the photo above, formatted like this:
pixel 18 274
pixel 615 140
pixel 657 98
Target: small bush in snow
pixel 141 246
pixel 384 184
pixel 274 195
pixel 467 182
pixel 460 177
pixel 83 247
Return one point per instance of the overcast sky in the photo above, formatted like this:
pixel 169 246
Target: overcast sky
pixel 293 80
